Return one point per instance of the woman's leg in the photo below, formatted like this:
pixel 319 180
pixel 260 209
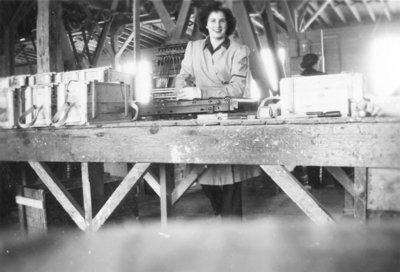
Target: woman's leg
pixel 214 194
pixel 232 200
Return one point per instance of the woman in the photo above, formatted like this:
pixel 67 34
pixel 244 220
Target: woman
pixel 217 67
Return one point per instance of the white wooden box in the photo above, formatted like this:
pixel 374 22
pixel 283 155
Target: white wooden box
pixel 81 103
pixel 40 106
pixel 321 93
pixel 101 74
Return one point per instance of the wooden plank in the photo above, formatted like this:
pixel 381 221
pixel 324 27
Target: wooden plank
pixel 342 178
pixel 60 193
pixel 33 203
pixel 137 171
pixel 166 187
pixel 185 184
pixel 87 195
pixel 181 23
pixel 152 182
pixel 164 16
pixel 360 201
pixel 316 14
pixel 330 144
pixel 49 49
pixel 306 202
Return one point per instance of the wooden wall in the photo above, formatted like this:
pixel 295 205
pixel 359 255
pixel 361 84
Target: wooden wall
pixel 345 49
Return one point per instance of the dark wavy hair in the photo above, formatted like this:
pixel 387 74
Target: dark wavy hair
pixel 214 7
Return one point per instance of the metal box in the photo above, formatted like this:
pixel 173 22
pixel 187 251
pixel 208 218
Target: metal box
pixel 324 93
pixel 81 103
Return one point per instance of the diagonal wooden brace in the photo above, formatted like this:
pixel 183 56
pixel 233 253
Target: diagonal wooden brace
pixel 137 171
pixel 60 193
pixel 306 202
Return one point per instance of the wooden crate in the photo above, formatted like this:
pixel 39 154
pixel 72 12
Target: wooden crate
pixel 11 96
pixel 40 105
pixel 81 103
pixel 41 79
pixel 322 93
pixel 100 74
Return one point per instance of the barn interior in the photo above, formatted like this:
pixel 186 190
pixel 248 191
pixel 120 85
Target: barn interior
pixel 94 140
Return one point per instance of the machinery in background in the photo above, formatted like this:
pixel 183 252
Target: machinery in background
pixel 163 104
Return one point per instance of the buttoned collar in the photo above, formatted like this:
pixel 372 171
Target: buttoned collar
pixel 207 44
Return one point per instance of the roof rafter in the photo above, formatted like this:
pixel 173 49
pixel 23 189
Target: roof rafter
pixel 353 10
pixel 386 10
pixel 370 11
pixel 338 12
pixel 316 15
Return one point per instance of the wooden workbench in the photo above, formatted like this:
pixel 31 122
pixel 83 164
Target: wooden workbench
pixel 273 144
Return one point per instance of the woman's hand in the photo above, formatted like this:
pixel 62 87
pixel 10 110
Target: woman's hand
pixel 188 93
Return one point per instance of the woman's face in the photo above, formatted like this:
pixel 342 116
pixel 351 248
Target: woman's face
pixel 216 25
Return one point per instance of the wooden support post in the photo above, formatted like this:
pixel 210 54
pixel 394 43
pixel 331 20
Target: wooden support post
pixel 49 50
pixel 101 42
pixel 298 194
pixel 137 171
pixel 60 193
pixel 166 187
pixel 360 199
pixel 248 36
pixel 272 39
pixel 9 52
pixel 87 195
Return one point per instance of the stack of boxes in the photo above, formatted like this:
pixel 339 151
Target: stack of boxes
pixel 67 98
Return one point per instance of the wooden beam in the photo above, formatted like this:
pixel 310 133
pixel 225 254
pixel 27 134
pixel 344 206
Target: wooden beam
pixel 60 193
pixel 101 42
pixel 301 197
pixel 342 178
pixel 370 11
pixel 23 9
pixel 338 12
pixel 152 182
pixel 290 22
pixel 33 203
pixel 49 52
pixel 316 14
pixel 386 10
pixel 181 23
pixel 248 37
pixel 164 16
pixel 371 142
pixel 87 195
pixel 166 188
pixel 360 201
pixel 137 171
pixel 185 184
pixel 323 15
pixel 272 40
pixel 353 10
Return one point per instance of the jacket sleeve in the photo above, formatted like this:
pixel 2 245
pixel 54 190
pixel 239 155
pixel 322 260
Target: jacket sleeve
pixel 239 74
pixel 185 78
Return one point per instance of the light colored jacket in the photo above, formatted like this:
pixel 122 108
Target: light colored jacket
pixel 221 74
